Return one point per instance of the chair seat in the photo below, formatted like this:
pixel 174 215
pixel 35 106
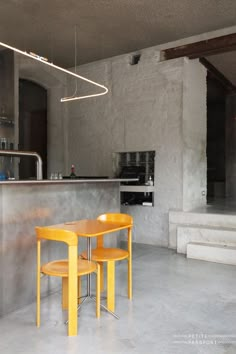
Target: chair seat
pixel 59 268
pixel 107 254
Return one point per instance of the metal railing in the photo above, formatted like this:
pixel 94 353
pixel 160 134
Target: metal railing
pixel 19 153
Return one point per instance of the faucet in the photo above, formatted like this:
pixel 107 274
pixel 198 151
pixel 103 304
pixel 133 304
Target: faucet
pixel 19 153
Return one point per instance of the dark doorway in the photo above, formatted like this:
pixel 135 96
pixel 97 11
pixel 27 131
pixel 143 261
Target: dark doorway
pixel 216 112
pixel 32 126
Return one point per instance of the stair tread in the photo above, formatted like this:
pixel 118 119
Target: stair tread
pixel 204 227
pixel 214 245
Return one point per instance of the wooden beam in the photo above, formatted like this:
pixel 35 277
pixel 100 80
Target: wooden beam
pixel 227 84
pixel 203 48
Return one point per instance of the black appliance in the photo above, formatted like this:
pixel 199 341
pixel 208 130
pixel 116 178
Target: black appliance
pixel 135 198
pixel 133 172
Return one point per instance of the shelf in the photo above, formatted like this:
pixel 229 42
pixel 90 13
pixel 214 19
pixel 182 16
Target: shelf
pixel 143 204
pixel 6 121
pixel 145 189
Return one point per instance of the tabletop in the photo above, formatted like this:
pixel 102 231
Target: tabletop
pixel 91 227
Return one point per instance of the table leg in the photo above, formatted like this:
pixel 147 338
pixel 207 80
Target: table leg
pixel 111 288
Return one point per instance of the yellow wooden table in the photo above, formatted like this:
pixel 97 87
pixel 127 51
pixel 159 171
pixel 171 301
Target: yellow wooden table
pixel 92 228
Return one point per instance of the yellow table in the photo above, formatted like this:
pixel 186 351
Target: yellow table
pixel 92 228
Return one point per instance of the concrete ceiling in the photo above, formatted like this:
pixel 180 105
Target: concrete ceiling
pixel 107 28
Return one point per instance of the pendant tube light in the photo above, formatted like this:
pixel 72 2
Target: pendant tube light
pixel 46 62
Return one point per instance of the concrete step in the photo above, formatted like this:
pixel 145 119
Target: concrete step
pixel 196 233
pixel 205 218
pixel 212 252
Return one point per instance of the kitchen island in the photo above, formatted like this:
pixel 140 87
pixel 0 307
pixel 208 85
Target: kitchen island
pixel 26 204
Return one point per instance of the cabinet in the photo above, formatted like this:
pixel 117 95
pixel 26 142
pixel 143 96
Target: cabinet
pixel 136 164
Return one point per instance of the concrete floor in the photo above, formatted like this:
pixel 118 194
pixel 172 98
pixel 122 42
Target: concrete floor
pixel 179 306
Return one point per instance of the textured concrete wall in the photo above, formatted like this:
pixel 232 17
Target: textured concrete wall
pixel 230 140
pixel 90 125
pixel 153 105
pixel 145 110
pixel 154 113
pixel 194 135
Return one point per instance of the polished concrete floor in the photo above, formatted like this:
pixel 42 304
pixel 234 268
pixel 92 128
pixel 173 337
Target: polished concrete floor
pixel 179 306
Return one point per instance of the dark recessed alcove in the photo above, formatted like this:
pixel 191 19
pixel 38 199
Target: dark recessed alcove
pixel 216 112
pixel 32 126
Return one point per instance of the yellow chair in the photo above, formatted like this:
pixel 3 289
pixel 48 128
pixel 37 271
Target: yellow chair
pixel 109 256
pixel 70 270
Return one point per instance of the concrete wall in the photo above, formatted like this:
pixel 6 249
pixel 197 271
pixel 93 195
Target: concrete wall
pixel 153 105
pixel 194 135
pixel 150 106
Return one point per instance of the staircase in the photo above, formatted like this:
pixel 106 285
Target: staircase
pixel 206 236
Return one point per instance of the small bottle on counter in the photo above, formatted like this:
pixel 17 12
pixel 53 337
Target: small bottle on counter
pixel 72 173
pixel 150 181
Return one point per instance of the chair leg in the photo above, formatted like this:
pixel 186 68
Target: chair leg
pixel 64 293
pixel 101 276
pixel 130 264
pixel 98 291
pixel 72 311
pixel 38 301
pixel 111 285
pixel 72 291
pixel 38 290
pixel 130 278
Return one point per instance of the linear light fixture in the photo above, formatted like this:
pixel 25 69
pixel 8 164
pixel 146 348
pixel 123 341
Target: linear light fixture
pixel 46 62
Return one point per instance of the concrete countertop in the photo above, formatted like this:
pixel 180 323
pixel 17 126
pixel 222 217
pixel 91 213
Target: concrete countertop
pixel 68 181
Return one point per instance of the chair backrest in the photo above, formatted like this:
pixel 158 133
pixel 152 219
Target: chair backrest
pixel 113 217
pixel 116 217
pixel 66 236
pixel 71 239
